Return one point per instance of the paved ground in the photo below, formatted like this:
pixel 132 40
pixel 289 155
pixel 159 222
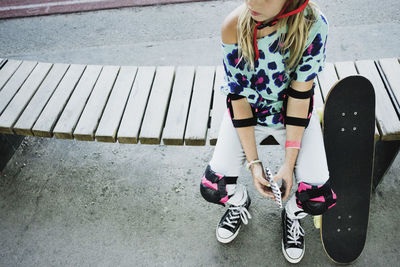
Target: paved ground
pixel 69 203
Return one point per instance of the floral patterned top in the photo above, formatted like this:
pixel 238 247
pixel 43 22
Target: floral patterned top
pixel 265 86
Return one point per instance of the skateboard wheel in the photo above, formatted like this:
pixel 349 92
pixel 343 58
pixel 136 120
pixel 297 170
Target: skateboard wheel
pixel 317 221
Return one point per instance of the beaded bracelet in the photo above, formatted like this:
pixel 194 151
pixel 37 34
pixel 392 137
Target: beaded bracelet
pixel 252 162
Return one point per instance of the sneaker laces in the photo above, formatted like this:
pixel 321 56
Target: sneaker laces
pixel 236 212
pixel 295 231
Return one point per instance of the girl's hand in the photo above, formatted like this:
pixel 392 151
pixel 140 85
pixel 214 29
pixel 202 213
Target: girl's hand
pixel 285 173
pixel 259 180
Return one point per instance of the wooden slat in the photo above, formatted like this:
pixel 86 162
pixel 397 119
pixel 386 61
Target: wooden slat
pixel 388 88
pixel 153 121
pixel 69 118
pixel 21 99
pixel 179 106
pixel 2 63
pixel 45 123
pixel 91 115
pixel 128 131
pixel 15 82
pixel 218 107
pixel 34 108
pixel 345 69
pixel 197 125
pixel 319 102
pixel 109 123
pixel 387 119
pixel 7 71
pixel 391 71
pixel 377 136
pixel 327 78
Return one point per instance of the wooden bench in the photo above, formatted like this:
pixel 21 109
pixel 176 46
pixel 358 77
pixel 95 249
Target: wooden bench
pixel 161 105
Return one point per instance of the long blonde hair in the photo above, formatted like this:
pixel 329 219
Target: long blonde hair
pixel 295 39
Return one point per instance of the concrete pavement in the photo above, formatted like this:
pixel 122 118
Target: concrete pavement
pixel 70 203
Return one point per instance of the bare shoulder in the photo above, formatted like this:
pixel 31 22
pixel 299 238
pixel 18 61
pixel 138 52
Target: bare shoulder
pixel 229 26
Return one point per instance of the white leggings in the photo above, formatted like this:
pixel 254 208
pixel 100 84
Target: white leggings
pixel 311 166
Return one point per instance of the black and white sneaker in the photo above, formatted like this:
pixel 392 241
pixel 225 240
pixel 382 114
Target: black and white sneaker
pixel 229 225
pixel 293 246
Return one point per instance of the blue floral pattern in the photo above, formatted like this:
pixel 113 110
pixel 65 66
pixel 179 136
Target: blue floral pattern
pixel 265 87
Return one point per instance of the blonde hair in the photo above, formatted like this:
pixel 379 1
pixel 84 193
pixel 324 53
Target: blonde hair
pixel 295 39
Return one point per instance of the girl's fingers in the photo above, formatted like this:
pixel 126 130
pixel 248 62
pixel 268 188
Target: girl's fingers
pixel 262 190
pixel 259 189
pixel 262 181
pixel 267 194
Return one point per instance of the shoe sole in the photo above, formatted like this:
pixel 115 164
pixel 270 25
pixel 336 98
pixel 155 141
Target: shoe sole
pixel 289 259
pixel 229 239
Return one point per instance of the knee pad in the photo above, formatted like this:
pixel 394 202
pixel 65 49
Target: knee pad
pixel 315 200
pixel 213 186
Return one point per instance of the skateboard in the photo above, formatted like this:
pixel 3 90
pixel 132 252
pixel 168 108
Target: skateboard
pixel 348 127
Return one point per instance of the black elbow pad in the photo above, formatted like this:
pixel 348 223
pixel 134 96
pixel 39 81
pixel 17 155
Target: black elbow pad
pixel 243 122
pixel 299 95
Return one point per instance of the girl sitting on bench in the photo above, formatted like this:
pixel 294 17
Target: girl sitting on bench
pixel 272 53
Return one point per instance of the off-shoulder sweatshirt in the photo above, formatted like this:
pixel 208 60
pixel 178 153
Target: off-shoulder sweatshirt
pixel 265 86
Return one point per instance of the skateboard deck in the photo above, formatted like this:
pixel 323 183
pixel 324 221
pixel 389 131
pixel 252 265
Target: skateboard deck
pixel 348 129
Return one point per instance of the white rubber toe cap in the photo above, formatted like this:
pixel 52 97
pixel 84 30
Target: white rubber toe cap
pixel 225 236
pixel 224 233
pixel 293 255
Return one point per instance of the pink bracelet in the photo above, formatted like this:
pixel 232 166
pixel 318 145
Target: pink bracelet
pixel 292 144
